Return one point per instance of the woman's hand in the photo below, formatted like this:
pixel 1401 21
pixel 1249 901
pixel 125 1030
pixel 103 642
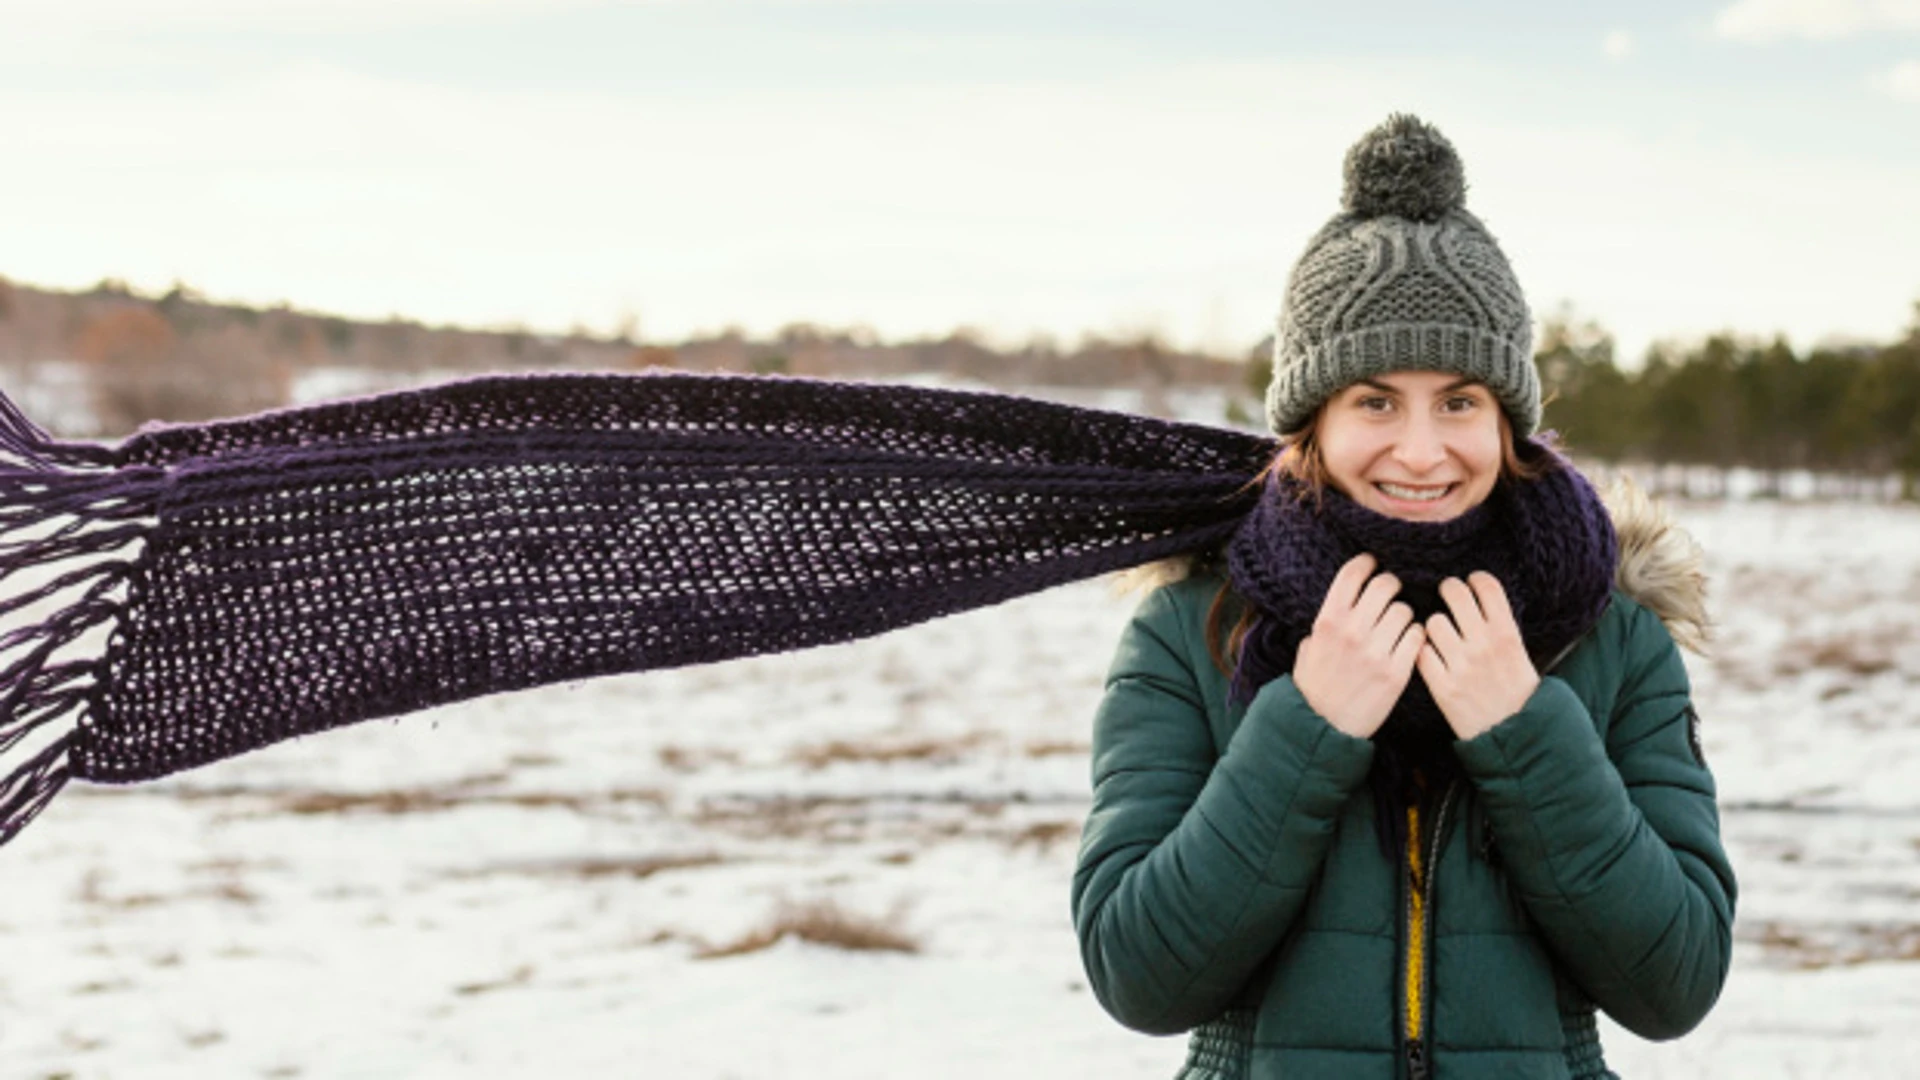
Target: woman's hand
pixel 1475 663
pixel 1356 661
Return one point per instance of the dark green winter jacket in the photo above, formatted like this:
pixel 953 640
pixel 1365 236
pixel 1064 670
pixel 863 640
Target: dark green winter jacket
pixel 1231 883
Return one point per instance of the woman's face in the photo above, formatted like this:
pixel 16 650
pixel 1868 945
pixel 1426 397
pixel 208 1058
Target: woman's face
pixel 1415 445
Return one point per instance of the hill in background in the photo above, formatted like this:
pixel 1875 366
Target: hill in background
pixel 104 361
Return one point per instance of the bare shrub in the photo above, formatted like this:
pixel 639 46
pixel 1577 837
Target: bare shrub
pixel 434 800
pixel 915 818
pixel 1810 946
pixel 643 867
pixel 636 867
pixel 93 891
pixel 822 922
pixel 821 755
pixel 1040 748
pixel 784 817
pixel 682 760
pixel 142 368
pixel 519 976
pixel 1851 655
pixel 233 891
pixel 653 356
pixel 1045 834
pixel 373 802
pixel 1857 653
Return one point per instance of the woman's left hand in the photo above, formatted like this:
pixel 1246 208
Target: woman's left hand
pixel 1474 662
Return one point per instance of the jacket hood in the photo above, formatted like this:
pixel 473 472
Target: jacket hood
pixel 1661 566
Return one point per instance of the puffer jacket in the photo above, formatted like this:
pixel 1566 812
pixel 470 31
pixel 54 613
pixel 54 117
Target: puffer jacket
pixel 1230 883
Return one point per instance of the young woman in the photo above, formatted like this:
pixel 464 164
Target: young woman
pixel 1406 782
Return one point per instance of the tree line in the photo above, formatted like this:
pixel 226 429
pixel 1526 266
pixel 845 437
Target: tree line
pixel 1732 402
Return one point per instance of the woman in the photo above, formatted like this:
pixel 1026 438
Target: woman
pixel 1407 783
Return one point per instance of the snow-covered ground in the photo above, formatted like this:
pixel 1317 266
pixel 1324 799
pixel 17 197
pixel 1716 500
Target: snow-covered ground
pixel 527 884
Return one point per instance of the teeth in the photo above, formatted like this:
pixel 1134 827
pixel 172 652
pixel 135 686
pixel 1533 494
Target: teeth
pixel 1415 494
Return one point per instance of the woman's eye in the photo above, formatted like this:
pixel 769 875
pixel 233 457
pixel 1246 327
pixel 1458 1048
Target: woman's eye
pixel 1460 403
pixel 1375 403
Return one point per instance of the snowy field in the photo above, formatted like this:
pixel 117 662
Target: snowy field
pixel 582 881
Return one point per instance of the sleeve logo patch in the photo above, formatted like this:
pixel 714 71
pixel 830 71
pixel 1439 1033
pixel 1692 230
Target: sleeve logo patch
pixel 1693 736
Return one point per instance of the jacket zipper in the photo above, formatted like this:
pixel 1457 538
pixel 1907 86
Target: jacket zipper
pixel 1417 1030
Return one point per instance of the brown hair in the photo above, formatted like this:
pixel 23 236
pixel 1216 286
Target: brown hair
pixel 1300 459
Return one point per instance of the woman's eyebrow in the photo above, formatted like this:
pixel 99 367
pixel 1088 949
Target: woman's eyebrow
pixel 1462 381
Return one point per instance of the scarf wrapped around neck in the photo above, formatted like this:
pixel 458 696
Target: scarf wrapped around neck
pixel 1549 541
pixel 278 575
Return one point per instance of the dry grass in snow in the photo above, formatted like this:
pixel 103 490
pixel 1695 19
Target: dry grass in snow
pixel 820 922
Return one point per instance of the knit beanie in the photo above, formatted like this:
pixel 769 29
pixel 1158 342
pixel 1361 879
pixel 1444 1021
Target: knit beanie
pixel 1403 279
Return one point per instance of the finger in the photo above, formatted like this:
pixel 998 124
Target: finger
pixel 1432 668
pixel 1492 597
pixel 1379 593
pixel 1460 600
pixel 1444 636
pixel 1393 625
pixel 1352 577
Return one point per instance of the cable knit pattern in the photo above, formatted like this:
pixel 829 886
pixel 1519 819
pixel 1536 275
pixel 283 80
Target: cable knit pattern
pixel 1404 279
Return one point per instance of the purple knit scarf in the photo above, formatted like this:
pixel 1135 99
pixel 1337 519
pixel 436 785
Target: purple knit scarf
pixel 278 575
pixel 1550 542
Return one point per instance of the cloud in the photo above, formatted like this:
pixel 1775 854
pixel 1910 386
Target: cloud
pixel 1820 20
pixel 1902 82
pixel 1617 45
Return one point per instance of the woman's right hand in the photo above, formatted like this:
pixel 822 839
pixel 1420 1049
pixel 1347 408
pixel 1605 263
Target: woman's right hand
pixel 1356 661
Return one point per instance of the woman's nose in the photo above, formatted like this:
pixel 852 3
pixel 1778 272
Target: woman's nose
pixel 1420 447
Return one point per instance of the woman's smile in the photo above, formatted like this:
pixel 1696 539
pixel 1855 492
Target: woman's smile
pixel 1413 493
pixel 1416 502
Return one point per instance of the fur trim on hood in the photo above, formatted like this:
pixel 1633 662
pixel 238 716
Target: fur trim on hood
pixel 1661 566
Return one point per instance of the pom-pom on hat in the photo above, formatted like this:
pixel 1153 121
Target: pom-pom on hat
pixel 1403 279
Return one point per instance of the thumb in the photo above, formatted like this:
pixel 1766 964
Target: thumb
pixel 1432 668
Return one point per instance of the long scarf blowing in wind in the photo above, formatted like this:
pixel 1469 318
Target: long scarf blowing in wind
pixel 203 590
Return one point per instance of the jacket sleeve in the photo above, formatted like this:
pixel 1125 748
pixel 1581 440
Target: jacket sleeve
pixel 1194 863
pixel 1615 847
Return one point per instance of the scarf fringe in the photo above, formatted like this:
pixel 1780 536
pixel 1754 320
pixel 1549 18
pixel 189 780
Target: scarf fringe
pixel 30 787
pixel 68 520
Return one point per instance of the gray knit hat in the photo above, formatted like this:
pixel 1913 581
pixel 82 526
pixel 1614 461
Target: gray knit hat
pixel 1403 279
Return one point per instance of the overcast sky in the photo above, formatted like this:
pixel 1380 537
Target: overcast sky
pixel 1668 169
